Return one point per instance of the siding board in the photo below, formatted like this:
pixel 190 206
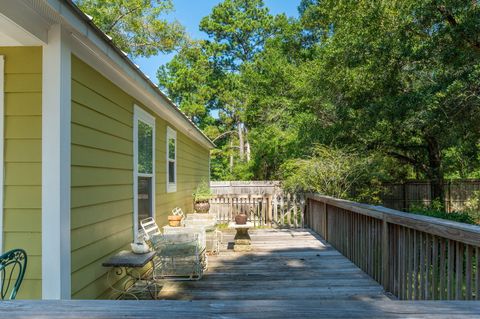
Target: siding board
pixel 23 156
pixel 102 176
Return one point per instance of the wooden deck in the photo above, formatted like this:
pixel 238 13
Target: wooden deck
pixel 289 274
pixel 284 265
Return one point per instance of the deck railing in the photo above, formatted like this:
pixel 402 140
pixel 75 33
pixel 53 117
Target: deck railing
pixel 278 210
pixel 414 257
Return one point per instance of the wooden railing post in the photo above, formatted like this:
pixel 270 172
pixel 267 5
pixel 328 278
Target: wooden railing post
pixel 385 255
pixel 269 210
pixel 325 229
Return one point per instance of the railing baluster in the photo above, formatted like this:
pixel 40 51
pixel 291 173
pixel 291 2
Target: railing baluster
pixel 435 268
pixel 459 271
pixel 468 272
pixel 428 265
pixel 450 269
pixel 477 273
pixel 415 258
pixel 443 265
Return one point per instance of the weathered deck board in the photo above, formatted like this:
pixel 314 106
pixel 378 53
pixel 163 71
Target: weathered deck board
pixel 308 308
pixel 284 265
pixel 290 274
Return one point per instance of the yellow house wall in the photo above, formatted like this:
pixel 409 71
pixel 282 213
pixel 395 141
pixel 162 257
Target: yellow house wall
pixel 23 156
pixel 102 176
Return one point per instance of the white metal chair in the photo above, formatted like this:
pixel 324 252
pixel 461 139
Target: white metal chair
pixel 179 256
pixel 213 237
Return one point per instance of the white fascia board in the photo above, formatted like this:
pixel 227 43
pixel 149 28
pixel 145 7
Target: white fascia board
pixel 27 18
pixel 56 169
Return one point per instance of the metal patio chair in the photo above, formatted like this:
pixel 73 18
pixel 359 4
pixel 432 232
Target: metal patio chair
pixel 13 264
pixel 179 256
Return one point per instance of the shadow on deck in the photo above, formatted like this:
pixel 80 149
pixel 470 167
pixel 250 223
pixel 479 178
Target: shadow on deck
pixel 289 274
pixel 283 265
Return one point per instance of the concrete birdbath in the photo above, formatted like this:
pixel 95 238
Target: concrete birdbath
pixel 242 239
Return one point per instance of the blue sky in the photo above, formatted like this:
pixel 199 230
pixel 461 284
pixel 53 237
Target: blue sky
pixel 190 12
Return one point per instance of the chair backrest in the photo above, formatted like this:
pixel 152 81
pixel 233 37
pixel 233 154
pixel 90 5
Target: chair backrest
pixel 13 264
pixel 150 227
pixel 177 211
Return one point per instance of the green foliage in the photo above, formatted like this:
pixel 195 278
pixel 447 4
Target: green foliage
pixel 202 192
pixel 184 79
pixel 145 144
pixel 207 76
pixel 136 26
pixel 395 81
pixel 436 210
pixel 329 171
pixel 472 206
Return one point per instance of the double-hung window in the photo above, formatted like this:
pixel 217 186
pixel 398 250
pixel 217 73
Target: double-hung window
pixel 144 166
pixel 171 160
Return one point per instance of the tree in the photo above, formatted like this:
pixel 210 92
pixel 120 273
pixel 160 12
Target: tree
pixel 136 26
pixel 237 30
pixel 210 73
pixel 403 76
pixel 186 79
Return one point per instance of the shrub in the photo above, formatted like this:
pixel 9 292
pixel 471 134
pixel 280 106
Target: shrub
pixel 203 192
pixel 340 173
pixel 472 206
pixel 435 210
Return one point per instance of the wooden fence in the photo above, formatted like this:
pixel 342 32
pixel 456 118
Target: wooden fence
pixel 273 210
pixel 245 187
pixel 399 196
pixel 402 196
pixel 414 257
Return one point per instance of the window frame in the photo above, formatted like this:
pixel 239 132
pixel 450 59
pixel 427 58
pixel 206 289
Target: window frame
pixel 171 134
pixel 140 114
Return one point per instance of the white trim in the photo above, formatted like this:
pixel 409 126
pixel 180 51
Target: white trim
pixel 140 114
pixel 171 134
pixel 2 119
pixel 27 24
pixel 56 139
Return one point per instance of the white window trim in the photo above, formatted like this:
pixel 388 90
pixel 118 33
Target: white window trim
pixel 171 187
pixel 141 115
pixel 2 98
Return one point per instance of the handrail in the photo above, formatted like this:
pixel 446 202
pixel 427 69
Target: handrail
pixel 412 256
pixel 468 234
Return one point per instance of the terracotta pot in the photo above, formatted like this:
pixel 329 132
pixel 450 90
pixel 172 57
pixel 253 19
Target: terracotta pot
pixel 174 220
pixel 202 207
pixel 241 219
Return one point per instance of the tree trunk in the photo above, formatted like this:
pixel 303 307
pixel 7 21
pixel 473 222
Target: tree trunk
pixel 231 155
pixel 435 174
pixel 241 141
pixel 248 151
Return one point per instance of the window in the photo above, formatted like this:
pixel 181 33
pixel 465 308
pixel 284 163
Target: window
pixel 171 160
pixel 144 166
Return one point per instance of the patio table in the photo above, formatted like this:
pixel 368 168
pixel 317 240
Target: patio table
pixel 137 281
pixel 242 238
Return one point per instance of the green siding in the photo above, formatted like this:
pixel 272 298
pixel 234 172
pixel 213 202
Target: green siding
pixel 23 155
pixel 102 176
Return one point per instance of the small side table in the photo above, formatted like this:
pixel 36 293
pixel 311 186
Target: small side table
pixel 242 239
pixel 129 265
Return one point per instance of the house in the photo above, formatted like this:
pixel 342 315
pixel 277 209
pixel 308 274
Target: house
pixel 90 146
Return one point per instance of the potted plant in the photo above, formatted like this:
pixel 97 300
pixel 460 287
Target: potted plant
pixel 201 198
pixel 176 217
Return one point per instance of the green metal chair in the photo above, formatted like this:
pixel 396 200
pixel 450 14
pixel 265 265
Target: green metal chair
pixel 13 264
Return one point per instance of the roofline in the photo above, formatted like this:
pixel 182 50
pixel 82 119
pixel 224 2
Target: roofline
pixel 134 67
